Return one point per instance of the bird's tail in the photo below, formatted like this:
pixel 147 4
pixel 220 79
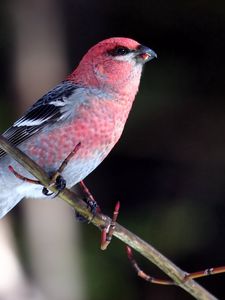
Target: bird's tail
pixel 7 202
pixel 9 185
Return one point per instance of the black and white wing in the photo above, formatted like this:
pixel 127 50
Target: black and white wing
pixel 46 110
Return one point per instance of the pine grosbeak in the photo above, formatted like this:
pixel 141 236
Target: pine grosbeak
pixel 90 107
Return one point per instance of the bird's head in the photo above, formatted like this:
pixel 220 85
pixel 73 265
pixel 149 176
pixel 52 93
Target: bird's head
pixel 114 63
pixel 121 50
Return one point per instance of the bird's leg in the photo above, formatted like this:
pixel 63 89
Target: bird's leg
pixel 107 232
pixel 57 180
pixel 194 275
pixel 91 203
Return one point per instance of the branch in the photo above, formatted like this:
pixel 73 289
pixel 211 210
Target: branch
pixel 100 220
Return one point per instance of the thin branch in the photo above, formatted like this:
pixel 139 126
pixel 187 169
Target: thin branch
pixel 100 220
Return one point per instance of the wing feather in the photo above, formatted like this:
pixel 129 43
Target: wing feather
pixel 46 110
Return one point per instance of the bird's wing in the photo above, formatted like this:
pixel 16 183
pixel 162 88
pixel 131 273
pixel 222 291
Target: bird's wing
pixel 49 109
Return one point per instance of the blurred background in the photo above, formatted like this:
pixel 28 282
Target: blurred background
pixel 168 170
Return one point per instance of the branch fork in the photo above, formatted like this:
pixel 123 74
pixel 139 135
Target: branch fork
pixel 101 221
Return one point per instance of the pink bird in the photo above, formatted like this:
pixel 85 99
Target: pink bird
pixel 89 108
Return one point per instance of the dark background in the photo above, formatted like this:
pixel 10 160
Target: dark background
pixel 168 170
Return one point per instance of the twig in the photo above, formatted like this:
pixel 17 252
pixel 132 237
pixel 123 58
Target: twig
pixel 144 275
pixel 101 221
pixel 107 232
pixel 194 275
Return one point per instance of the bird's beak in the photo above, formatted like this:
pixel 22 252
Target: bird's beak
pixel 145 54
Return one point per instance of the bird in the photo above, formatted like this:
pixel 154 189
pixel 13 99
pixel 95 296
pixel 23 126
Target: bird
pixel 90 108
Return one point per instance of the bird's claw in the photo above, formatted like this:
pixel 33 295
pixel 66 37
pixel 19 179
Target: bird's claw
pixel 46 192
pixel 59 184
pixel 57 180
pixel 92 205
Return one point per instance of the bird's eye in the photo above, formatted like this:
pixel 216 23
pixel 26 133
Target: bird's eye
pixel 119 50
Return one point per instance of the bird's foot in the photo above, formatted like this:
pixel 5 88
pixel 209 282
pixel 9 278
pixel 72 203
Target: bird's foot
pixel 93 207
pixel 56 179
pixel 59 183
pixel 91 203
pixel 107 232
